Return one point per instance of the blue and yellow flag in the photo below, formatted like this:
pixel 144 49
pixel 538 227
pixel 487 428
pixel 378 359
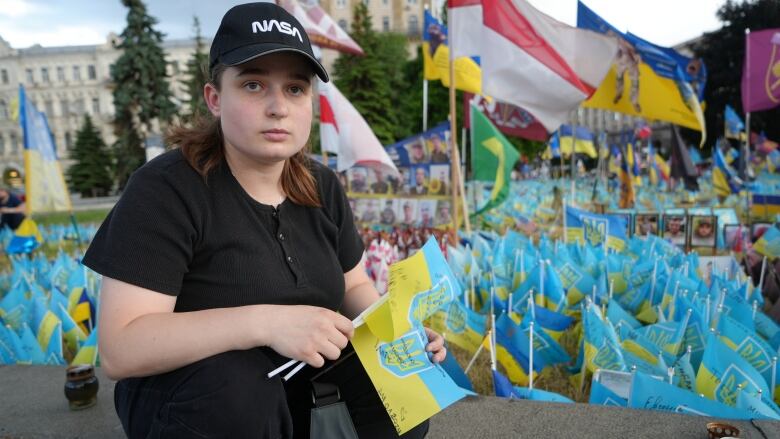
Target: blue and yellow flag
pixel 436 59
pixel 391 343
pixel 748 345
pixel 733 124
pixel 652 82
pixel 649 393
pixel 722 373
pixel 26 238
pixel 505 389
pixel 88 353
pixel 580 139
pixel 724 180
pixel 45 186
pixel 765 205
pixel 627 195
pixel 464 327
pixel 769 243
pixel 595 229
pixel 602 349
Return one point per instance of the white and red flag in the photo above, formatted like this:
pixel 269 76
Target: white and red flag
pixel 344 132
pixel 530 59
pixel 322 30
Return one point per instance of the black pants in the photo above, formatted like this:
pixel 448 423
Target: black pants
pixel 229 396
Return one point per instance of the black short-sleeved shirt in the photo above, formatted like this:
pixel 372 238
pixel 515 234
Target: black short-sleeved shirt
pixel 214 246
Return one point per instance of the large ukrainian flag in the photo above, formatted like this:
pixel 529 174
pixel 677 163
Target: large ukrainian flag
pixel 44 184
pixel 658 83
pixel 391 345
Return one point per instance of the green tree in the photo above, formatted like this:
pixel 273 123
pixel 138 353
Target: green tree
pixel 365 81
pixel 412 104
pixel 723 52
pixel 197 75
pixel 90 173
pixel 142 95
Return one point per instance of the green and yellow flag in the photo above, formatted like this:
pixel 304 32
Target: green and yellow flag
pixel 493 157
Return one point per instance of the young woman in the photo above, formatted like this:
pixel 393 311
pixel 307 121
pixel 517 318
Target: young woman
pixel 230 255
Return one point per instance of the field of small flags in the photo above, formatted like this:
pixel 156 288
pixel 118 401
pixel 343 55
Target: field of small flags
pixel 561 321
pixel 650 313
pixel 48 300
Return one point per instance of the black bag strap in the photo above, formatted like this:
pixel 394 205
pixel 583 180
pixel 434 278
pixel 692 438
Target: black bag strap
pixel 323 394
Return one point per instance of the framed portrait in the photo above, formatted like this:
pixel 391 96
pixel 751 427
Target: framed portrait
pixel 388 214
pixel 439 182
pixel 419 177
pixel 646 224
pixel 417 151
pixel 443 213
pixel 378 183
pixel 407 211
pixel 427 210
pixel 704 230
pixel 358 180
pixel 368 210
pixel 675 229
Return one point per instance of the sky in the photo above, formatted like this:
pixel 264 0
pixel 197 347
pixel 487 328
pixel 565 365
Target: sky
pixel 24 23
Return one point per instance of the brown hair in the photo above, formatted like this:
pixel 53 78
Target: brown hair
pixel 202 145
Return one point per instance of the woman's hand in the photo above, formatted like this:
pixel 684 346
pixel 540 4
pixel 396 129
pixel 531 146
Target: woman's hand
pixel 435 346
pixel 308 333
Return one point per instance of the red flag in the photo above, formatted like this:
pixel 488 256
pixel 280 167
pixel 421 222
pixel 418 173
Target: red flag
pixel 344 131
pixel 322 30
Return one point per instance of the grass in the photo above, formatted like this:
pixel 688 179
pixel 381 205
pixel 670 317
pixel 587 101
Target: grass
pixel 553 379
pixel 64 218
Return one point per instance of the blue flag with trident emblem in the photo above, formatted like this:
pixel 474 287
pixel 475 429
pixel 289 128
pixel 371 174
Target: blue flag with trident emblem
pixel 595 229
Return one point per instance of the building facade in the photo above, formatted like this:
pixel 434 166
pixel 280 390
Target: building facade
pixel 66 83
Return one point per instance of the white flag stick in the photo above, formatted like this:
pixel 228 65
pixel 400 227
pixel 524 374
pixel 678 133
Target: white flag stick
pixel 355 323
pixel 531 357
pixel 761 277
pixel 476 354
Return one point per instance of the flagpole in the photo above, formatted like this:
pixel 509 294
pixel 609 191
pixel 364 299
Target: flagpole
pixel 425 105
pixel 531 358
pixel 746 150
pixel 457 180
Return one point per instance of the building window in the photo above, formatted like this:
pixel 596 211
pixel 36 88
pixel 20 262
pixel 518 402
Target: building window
pixel 343 25
pixel 68 140
pixel 29 75
pixel 365 2
pixel 78 106
pixel 341 4
pixel 14 145
pixel 91 72
pixel 3 110
pixel 61 74
pixel 411 2
pixel 386 24
pixel 45 74
pixel 95 106
pixel 414 26
pixel 64 108
pixel 2 145
pixel 4 75
pixel 49 108
pixel 76 73
pixel 384 2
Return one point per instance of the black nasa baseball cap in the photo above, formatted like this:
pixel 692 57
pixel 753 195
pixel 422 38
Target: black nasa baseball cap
pixel 252 30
